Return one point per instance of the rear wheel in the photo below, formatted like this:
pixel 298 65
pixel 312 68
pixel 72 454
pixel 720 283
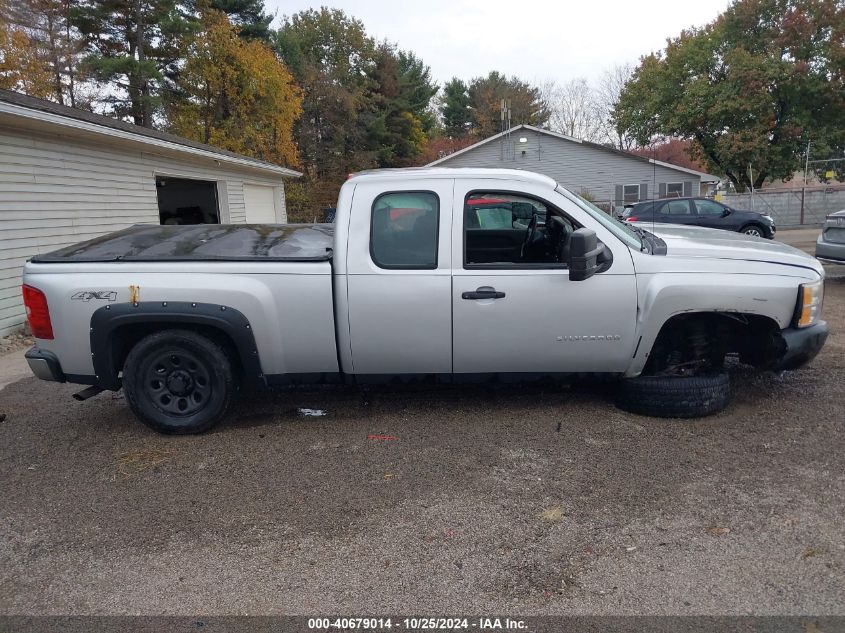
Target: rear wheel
pixel 178 382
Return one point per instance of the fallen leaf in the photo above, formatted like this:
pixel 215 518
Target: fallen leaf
pixel 554 513
pixel 389 476
pixel 373 436
pixel 718 531
pixel 810 552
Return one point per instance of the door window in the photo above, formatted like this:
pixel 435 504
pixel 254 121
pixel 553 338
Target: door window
pixel 709 208
pixel 404 230
pixel 506 230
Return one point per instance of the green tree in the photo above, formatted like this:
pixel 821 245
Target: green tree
pixel 236 94
pixel 331 56
pixel 455 108
pixel 134 49
pixel 398 119
pixel 486 94
pixel 248 16
pixel 749 89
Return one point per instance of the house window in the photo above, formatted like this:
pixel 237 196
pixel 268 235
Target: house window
pixel 404 230
pixel 631 193
pixel 674 189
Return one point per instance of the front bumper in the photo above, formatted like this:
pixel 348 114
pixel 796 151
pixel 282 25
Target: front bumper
pixel 802 345
pixel 45 365
pixel 830 251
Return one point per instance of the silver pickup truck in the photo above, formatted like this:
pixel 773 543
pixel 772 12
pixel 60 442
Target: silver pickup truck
pixel 442 274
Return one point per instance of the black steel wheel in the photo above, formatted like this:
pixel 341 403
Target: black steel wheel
pixel 178 382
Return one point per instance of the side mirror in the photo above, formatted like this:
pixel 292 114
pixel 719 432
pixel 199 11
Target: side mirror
pixel 726 212
pixel 584 251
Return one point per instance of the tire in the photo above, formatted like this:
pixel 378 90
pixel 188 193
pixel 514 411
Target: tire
pixel 178 382
pixel 753 229
pixel 675 396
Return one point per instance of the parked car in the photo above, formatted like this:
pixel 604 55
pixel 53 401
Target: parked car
pixel 830 247
pixel 701 212
pixel 411 282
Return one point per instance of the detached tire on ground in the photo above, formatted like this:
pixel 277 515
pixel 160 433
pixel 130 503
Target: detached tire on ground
pixel 675 396
pixel 178 382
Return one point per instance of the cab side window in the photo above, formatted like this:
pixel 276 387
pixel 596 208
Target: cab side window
pixel 404 230
pixel 505 229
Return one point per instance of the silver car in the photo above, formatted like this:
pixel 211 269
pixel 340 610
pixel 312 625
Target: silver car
pixel 830 247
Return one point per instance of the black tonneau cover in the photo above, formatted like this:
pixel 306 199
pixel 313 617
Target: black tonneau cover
pixel 203 242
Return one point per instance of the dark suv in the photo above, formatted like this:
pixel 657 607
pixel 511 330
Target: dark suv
pixel 701 212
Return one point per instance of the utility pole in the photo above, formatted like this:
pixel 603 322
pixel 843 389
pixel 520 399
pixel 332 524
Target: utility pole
pixel 804 188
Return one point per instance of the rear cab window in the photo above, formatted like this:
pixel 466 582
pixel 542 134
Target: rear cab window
pixel 404 230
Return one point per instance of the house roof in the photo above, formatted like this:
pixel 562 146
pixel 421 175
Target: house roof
pixel 21 105
pixel 651 161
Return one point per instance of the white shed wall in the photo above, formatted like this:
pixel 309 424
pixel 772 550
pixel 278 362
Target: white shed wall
pixel 55 191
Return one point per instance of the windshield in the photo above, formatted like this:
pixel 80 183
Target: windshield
pixel 620 229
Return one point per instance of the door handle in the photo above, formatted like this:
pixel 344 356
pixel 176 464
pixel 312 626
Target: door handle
pixel 485 292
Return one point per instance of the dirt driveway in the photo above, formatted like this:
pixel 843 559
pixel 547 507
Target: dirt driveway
pixel 517 500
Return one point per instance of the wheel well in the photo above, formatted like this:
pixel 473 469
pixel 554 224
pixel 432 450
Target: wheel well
pixel 125 337
pixel 752 223
pixel 696 340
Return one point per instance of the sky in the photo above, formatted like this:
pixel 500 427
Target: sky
pixel 533 39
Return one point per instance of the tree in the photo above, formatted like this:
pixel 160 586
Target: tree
pixel 606 97
pixel 573 109
pixel 750 89
pixel 331 57
pixel 248 16
pixel 236 95
pixel 53 41
pixel 134 49
pixel 398 97
pixel 21 67
pixel 486 95
pixel 674 150
pixel 455 108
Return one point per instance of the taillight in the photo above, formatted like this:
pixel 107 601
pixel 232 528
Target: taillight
pixel 631 218
pixel 37 312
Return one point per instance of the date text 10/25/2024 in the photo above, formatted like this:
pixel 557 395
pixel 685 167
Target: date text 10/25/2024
pixel 417 624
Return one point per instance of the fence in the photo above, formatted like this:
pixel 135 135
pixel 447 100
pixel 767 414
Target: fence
pixel 791 207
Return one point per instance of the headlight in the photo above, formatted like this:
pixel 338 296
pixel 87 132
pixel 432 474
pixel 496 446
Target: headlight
pixel 809 307
pixel 769 218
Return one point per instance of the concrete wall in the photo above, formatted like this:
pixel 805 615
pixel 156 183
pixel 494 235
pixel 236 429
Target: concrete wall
pixel 579 167
pixel 785 206
pixel 56 191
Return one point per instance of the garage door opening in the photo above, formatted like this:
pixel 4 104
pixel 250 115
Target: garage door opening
pixel 187 201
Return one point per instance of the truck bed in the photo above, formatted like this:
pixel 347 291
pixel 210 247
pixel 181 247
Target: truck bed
pixel 203 242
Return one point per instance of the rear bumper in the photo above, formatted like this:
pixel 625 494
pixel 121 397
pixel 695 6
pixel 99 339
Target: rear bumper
pixel 830 251
pixel 802 345
pixel 45 365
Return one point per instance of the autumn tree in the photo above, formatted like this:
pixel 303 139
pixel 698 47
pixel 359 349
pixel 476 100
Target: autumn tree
pixel 22 68
pixel 486 94
pixel 750 89
pixel 236 95
pixel 134 48
pixel 606 94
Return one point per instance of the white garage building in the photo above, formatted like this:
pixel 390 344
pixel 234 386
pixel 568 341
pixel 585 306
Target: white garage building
pixel 67 175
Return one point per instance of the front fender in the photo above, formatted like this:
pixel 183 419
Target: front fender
pixel 665 295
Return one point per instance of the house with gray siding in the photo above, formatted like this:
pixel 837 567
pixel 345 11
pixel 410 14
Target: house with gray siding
pixel 67 175
pixel 603 174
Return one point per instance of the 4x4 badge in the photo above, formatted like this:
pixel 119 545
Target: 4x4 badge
pixel 87 295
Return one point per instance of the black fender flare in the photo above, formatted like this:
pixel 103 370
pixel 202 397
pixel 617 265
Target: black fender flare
pixel 106 320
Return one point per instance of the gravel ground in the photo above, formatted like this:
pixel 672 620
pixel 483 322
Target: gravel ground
pixel 517 500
